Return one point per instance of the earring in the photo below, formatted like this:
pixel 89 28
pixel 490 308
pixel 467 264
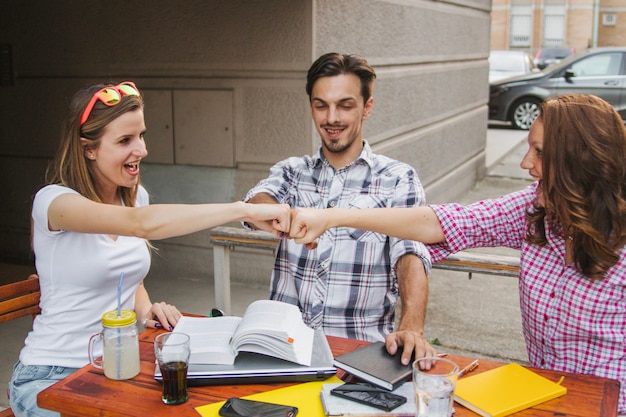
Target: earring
pixel 91 156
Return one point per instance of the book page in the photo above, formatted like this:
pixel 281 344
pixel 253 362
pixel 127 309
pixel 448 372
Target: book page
pixel 210 338
pixel 276 329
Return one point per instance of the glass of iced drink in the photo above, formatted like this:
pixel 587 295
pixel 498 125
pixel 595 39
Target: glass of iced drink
pixel 434 380
pixel 120 347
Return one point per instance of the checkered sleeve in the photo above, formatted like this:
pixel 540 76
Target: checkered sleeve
pixel 487 223
pixel 408 193
pixel 279 182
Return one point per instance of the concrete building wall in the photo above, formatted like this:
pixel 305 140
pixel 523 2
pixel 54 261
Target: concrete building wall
pixel 224 87
pixel 500 24
pixel 580 27
pixel 612 28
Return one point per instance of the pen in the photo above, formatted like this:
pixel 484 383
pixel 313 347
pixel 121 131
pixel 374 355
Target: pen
pixel 468 368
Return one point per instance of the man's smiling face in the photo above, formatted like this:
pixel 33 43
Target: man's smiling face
pixel 338 113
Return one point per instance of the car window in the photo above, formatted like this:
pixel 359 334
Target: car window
pixel 551 53
pixel 598 65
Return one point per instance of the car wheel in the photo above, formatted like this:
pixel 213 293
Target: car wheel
pixel 524 112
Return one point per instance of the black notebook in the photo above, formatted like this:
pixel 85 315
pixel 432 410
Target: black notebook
pixel 373 364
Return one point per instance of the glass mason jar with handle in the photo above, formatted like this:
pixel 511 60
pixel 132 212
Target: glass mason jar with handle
pixel 120 345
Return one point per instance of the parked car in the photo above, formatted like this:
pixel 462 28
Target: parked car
pixel 598 71
pixel 508 63
pixel 551 55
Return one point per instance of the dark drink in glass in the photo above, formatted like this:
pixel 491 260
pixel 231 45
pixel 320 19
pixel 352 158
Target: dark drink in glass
pixel 172 351
pixel 174 382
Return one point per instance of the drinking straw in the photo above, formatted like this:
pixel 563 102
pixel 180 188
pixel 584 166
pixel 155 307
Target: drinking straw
pixel 119 339
pixel 119 295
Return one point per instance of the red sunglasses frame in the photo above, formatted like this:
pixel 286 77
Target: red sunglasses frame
pixel 97 96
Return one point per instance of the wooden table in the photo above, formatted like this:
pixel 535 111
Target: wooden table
pixel 88 392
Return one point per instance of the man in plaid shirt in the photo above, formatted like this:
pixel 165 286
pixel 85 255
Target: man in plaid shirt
pixel 350 284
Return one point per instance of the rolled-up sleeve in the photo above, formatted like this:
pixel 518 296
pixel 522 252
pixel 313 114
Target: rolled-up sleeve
pixel 409 193
pixel 488 223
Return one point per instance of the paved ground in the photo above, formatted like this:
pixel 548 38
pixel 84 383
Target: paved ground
pixel 478 317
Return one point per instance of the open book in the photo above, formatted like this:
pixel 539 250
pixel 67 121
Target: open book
pixel 268 327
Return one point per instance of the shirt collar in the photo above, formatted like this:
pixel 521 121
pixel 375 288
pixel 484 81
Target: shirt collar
pixel 366 156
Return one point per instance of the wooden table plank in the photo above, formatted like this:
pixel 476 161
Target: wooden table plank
pixel 88 392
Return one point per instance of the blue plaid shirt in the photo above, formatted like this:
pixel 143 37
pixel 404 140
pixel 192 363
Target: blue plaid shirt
pixel 348 285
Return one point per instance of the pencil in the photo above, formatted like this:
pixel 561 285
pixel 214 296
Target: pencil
pixel 468 368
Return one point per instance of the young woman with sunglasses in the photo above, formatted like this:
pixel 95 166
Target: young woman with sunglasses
pixel 570 227
pixel 91 224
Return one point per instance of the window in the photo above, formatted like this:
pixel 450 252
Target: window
pixel 598 65
pixel 521 23
pixel 553 26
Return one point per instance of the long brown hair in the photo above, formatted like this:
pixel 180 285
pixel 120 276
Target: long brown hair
pixel 584 180
pixel 70 167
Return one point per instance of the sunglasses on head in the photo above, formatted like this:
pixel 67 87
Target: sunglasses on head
pixel 110 96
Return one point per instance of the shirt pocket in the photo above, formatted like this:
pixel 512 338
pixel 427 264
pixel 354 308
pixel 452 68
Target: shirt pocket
pixel 307 200
pixel 366 236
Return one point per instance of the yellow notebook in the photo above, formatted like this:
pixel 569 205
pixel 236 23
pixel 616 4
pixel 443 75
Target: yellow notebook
pixel 505 390
pixel 305 396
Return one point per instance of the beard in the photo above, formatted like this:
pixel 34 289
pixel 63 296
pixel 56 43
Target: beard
pixel 336 145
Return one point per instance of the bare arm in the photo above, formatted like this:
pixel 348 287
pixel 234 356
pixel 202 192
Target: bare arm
pixel 413 223
pixel 158 221
pixel 413 284
pixel 263 198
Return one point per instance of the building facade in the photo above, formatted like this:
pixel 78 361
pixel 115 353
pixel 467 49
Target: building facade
pixel 579 24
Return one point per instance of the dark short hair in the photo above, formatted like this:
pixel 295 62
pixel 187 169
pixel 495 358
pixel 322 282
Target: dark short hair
pixel 333 63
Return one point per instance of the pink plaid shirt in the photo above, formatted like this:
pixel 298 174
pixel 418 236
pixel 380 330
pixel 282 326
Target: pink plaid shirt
pixel 570 323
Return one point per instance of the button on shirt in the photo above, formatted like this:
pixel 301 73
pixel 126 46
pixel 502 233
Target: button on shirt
pixel 570 323
pixel 348 284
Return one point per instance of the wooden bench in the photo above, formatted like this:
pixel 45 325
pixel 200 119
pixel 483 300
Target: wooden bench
pixel 225 239
pixel 18 299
